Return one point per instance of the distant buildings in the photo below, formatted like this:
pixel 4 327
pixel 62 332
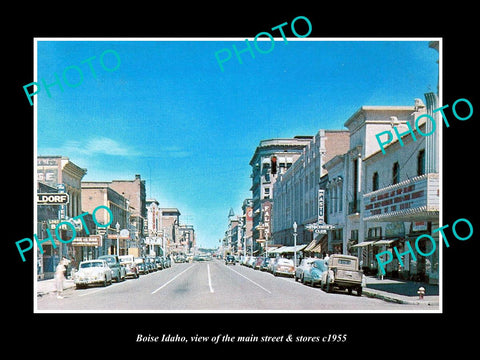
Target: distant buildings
pixel 144 229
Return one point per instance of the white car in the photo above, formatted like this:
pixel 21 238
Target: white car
pixel 128 261
pixel 283 266
pixel 92 272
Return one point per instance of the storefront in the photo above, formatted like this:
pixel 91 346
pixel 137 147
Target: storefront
pixel 398 214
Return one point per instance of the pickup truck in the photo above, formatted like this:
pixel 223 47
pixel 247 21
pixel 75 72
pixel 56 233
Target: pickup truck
pixel 343 273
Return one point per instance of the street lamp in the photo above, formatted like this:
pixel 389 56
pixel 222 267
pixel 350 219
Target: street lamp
pixel 117 227
pixel 295 244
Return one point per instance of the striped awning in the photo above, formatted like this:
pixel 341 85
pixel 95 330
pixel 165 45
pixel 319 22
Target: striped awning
pixel 363 243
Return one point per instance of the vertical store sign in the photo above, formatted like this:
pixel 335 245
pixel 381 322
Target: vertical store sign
pixel 321 215
pixel 267 209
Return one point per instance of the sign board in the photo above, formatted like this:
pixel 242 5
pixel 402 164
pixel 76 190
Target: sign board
pixel 52 199
pixel 267 211
pixel 318 227
pixel 114 237
pixel 153 240
pixel 321 214
pixel 92 240
pixel 407 196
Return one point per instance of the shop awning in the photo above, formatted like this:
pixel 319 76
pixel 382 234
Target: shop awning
pixel 363 243
pixel 288 249
pixel 317 249
pixel 310 246
pixel 384 242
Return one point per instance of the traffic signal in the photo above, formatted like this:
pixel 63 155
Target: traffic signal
pixel 273 163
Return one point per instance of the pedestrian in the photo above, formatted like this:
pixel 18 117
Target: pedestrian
pixel 60 276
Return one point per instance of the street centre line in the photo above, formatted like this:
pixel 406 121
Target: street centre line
pixel 169 281
pixel 260 286
pixel 209 279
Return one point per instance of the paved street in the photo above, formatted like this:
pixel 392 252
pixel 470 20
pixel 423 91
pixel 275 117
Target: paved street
pixel 212 286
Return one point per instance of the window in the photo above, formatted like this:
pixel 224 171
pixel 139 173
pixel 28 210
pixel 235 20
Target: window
pixel 421 163
pixel 375 181
pixel 375 233
pixel 354 235
pixel 337 234
pixel 395 173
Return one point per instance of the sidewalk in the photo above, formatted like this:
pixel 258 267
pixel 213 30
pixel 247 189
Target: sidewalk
pixel 45 287
pixel 401 292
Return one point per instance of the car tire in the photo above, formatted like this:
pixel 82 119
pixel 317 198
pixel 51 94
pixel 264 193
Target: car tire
pixel 104 284
pixel 303 280
pixel 359 291
pixel 328 285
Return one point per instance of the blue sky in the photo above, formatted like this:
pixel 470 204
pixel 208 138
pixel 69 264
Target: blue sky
pixel 170 114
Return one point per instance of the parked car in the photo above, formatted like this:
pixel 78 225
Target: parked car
pixel 92 272
pixel 180 258
pixel 141 265
pixel 258 262
pixel 229 259
pixel 131 269
pixel 166 262
pixel 251 261
pixel 159 262
pixel 306 263
pixel 118 271
pixel 283 266
pixel 152 265
pixel 271 264
pixel 343 273
pixel 265 263
pixel 313 274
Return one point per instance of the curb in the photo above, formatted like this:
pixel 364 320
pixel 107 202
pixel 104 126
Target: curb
pixel 399 299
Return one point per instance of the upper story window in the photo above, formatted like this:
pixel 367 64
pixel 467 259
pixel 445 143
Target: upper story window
pixel 375 181
pixel 395 173
pixel 421 162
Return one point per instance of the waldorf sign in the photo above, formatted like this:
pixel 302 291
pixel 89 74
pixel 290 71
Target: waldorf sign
pixel 52 199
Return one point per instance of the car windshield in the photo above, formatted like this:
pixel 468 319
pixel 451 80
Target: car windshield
pixel 91 264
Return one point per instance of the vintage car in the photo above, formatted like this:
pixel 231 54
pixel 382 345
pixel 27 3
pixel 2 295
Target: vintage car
pixel 258 262
pixel 118 271
pixel 283 266
pixel 141 265
pixel 92 272
pixel 265 264
pixel 131 269
pixel 229 259
pixel 312 274
pixel 343 273
pixel 306 263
